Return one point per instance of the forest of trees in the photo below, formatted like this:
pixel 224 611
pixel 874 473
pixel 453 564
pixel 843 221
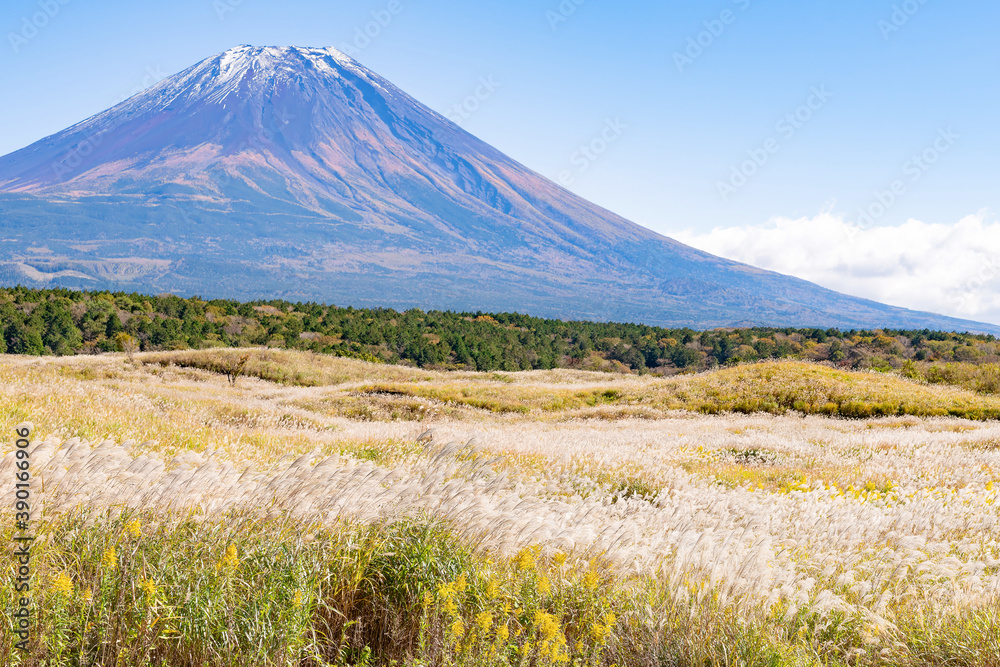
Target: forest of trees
pixel 62 322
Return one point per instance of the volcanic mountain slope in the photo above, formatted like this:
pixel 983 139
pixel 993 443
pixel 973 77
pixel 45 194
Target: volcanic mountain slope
pixel 297 173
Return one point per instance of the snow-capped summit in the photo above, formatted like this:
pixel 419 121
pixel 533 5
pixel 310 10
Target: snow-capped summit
pixel 297 172
pixel 293 109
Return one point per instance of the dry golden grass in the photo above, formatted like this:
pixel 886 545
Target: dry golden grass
pixel 771 387
pixel 171 402
pixel 293 368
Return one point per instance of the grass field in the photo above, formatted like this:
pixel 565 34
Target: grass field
pixel 327 511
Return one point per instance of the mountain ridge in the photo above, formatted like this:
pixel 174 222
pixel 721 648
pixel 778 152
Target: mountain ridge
pixel 297 173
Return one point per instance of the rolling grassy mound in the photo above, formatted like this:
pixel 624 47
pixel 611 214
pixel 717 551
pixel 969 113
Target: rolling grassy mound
pixel 769 387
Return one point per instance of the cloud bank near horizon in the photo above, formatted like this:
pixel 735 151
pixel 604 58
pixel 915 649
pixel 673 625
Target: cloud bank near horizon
pixel 951 269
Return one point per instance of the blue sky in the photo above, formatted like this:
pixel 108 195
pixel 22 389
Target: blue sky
pixel 727 115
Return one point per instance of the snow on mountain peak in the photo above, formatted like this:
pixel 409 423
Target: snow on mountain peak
pixel 249 70
pixel 245 56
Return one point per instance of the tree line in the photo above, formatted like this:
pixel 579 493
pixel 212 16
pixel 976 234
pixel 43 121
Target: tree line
pixel 63 322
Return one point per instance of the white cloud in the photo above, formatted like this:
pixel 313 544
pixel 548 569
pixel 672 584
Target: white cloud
pixel 948 269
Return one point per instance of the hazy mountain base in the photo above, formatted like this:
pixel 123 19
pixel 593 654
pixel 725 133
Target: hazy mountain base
pixel 243 250
pixel 691 540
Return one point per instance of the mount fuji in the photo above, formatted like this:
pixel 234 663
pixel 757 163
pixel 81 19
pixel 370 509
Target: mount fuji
pixel 296 173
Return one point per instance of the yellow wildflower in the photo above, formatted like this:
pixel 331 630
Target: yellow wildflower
pixel 503 634
pixel 134 528
pixel 148 587
pixel 297 599
pixel 63 584
pixel 547 624
pixel 559 558
pixel 457 629
pixel 109 558
pixel 446 591
pixel 590 580
pixel 492 588
pixel 428 599
pixel 88 595
pixel 544 585
pixel 231 560
pixel 461 584
pixel 525 560
pixel 484 621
